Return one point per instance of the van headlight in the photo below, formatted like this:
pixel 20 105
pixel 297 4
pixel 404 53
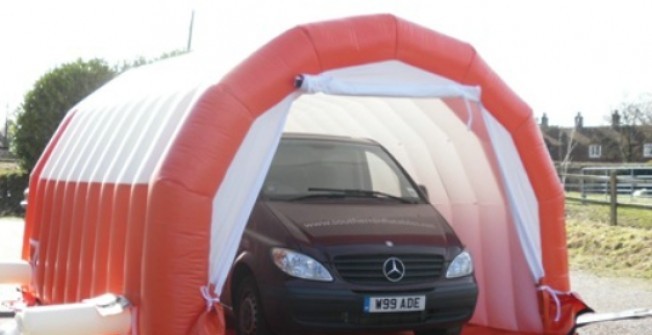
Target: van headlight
pixel 462 265
pixel 299 265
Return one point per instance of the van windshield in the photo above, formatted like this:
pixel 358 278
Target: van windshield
pixel 314 168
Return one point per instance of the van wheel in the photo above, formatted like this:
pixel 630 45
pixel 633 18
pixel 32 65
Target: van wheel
pixel 249 318
pixel 449 331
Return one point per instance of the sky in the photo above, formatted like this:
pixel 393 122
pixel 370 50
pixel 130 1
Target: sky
pixel 561 57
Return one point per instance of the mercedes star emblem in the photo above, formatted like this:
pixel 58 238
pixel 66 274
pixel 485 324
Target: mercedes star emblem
pixel 393 269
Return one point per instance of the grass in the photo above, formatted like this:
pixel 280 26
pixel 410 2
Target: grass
pixel 8 167
pixel 594 245
pixel 622 198
pixel 627 217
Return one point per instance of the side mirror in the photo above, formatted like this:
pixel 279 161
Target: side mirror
pixel 424 191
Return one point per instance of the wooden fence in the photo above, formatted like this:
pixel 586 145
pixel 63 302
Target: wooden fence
pixel 591 188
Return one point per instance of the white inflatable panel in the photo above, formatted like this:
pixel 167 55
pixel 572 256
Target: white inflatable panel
pixel 15 272
pixel 71 319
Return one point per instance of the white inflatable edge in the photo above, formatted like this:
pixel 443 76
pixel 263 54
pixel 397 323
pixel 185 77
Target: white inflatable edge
pixel 105 315
pixel 15 273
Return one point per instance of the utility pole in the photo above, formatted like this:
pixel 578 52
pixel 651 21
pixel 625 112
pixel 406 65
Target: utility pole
pixel 192 22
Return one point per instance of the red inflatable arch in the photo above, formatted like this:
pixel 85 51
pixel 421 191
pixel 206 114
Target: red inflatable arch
pixel 148 183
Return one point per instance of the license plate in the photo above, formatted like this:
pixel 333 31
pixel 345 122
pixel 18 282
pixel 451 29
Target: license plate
pixel 394 304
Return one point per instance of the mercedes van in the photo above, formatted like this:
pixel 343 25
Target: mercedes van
pixel 342 239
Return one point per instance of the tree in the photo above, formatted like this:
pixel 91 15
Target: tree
pixel 46 104
pixel 54 94
pixel 628 120
pixel 565 163
pixel 140 61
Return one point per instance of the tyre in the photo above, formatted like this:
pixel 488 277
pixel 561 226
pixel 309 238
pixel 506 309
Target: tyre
pixel 248 310
pixel 449 331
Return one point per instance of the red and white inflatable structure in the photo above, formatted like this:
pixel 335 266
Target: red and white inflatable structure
pixel 146 187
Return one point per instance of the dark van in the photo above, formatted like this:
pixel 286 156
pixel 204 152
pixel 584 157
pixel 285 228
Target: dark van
pixel 341 238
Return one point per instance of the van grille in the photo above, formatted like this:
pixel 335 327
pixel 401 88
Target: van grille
pixel 368 269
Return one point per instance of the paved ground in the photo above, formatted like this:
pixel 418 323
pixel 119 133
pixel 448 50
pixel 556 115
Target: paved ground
pixel 603 294
pixel 613 295
pixel 11 237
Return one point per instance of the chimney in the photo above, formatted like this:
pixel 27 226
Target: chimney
pixel 579 121
pixel 615 119
pixel 544 121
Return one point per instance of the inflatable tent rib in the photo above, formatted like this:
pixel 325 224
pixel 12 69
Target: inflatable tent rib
pixel 147 185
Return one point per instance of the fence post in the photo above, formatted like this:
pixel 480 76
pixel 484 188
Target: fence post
pixel 582 188
pixel 613 190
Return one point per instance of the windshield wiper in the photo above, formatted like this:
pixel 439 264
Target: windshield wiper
pixel 349 192
pixel 317 195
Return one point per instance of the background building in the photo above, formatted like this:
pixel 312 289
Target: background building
pixel 615 143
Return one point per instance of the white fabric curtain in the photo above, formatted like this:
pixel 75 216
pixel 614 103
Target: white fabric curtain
pixel 239 190
pixel 522 200
pixel 328 84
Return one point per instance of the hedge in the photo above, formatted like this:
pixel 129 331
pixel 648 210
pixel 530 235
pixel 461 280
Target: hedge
pixel 12 186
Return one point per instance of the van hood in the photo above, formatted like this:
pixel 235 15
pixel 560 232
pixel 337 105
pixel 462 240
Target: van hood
pixel 331 224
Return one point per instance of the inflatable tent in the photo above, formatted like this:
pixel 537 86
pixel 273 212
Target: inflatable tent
pixel 147 185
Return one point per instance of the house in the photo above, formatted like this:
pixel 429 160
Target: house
pixel 614 143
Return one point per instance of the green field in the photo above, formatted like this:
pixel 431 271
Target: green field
pixel 627 217
pixel 8 167
pixel 594 245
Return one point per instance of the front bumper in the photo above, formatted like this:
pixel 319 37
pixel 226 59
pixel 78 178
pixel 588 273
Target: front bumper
pixel 302 306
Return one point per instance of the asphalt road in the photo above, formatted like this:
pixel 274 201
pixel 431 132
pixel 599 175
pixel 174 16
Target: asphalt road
pixel 11 238
pixel 613 295
pixel 602 294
